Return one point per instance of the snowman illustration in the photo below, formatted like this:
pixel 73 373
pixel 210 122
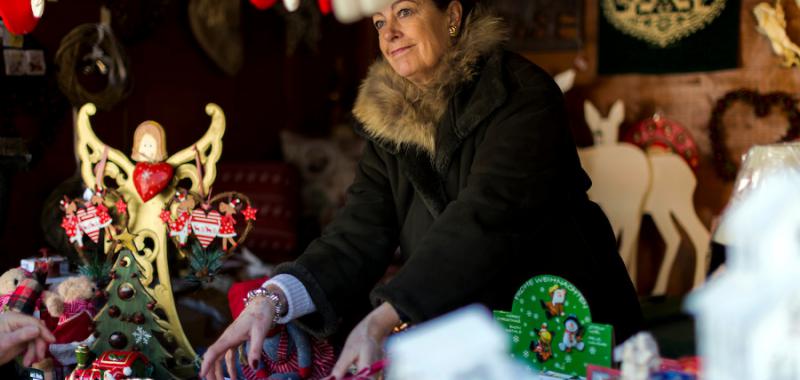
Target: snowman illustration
pixel 573 334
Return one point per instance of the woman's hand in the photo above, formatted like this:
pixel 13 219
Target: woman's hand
pixel 364 345
pixel 252 325
pixel 18 333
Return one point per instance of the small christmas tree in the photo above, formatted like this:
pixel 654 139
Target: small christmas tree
pixel 128 322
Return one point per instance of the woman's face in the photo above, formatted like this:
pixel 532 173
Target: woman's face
pixel 414 36
pixel 147 147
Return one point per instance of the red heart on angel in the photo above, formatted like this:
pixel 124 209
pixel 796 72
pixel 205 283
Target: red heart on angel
pixel 151 178
pixel 89 222
pixel 205 226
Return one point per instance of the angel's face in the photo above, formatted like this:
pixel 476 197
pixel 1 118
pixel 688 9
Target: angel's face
pixel 148 147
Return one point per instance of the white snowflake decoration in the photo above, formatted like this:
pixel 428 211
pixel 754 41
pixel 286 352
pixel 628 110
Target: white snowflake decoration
pixel 592 350
pixel 566 303
pixel 536 316
pixel 142 336
pixel 515 339
pixel 541 289
pixel 568 359
pixel 533 298
pixel 529 313
pixel 526 354
pixel 522 301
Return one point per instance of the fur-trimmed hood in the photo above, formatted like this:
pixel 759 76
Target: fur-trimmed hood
pixel 393 110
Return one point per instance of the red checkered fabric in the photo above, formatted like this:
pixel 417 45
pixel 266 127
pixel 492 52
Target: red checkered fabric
pixel 25 297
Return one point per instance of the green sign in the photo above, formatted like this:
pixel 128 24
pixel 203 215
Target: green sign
pixel 551 328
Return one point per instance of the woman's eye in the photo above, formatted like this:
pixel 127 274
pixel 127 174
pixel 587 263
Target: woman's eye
pixel 404 12
pixel 379 24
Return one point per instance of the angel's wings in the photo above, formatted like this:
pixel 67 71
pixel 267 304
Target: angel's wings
pixel 90 149
pixel 120 168
pixel 209 147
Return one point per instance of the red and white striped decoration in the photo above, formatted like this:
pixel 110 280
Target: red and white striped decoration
pixel 89 222
pixel 205 227
pixel 322 362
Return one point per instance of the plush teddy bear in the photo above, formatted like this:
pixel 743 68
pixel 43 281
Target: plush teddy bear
pixel 8 282
pixel 13 278
pixel 73 296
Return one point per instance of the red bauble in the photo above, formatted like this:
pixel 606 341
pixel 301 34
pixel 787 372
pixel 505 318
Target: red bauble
pixel 150 179
pixel 263 4
pixel 21 16
pixel 325 6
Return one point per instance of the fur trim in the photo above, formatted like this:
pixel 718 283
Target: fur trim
pixel 395 111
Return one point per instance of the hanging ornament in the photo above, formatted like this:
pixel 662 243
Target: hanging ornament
pixel 325 6
pixel 263 4
pixel 291 5
pixel 21 16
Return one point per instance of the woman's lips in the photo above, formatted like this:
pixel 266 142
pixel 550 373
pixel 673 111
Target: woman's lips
pixel 399 51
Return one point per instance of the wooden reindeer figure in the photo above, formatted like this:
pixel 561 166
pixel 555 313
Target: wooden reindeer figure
pixel 102 214
pixel 70 222
pixel 672 196
pixel 180 227
pixel 620 175
pixel 227 222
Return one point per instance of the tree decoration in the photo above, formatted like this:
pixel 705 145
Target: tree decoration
pixel 188 217
pixel 726 167
pixel 134 323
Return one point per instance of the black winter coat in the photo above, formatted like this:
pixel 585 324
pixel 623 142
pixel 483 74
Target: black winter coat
pixel 496 197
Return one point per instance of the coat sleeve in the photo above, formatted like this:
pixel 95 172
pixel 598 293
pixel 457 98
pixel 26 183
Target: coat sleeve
pixel 523 169
pixel 341 266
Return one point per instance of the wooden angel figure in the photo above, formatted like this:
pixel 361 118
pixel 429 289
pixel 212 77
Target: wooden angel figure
pixel 147 181
pixel 227 222
pixel 180 226
pixel 70 221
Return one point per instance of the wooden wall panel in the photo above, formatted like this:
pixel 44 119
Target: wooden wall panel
pixel 687 98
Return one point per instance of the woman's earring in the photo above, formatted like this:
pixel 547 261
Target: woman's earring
pixel 453 30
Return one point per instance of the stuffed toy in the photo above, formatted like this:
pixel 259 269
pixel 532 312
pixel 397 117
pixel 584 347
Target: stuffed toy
pixel 73 296
pixel 288 352
pixel 21 292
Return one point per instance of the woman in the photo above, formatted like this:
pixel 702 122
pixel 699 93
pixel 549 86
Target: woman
pixel 471 170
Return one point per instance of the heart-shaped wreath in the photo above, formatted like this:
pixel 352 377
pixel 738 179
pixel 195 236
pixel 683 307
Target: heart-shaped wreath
pixel 727 167
pixel 205 230
pixel 100 218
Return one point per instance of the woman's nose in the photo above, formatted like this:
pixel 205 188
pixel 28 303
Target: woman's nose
pixel 390 32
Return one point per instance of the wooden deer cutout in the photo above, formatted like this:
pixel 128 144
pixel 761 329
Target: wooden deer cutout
pixel 620 175
pixel 671 195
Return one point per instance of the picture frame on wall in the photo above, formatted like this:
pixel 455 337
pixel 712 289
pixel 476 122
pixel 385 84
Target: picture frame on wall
pixel 542 25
